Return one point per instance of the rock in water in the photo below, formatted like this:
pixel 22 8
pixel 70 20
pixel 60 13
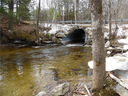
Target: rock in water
pixel 60 89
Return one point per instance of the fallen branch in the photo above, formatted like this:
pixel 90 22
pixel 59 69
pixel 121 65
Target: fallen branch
pixel 77 92
pixel 119 81
pixel 115 51
pixel 89 94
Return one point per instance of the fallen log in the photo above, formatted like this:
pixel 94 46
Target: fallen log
pixel 123 84
pixel 115 51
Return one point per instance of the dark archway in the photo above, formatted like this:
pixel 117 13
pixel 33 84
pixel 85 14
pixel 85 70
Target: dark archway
pixel 77 36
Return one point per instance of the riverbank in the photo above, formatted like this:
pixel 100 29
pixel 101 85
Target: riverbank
pixel 25 33
pixel 50 34
pixel 20 34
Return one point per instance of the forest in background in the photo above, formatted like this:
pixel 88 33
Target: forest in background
pixel 64 10
pixel 17 11
pixel 60 9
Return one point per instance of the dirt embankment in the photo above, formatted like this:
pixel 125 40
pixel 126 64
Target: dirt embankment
pixel 23 33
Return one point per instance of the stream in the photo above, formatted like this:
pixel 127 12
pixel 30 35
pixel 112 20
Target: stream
pixel 25 71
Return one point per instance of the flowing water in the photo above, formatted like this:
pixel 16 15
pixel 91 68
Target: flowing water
pixel 24 71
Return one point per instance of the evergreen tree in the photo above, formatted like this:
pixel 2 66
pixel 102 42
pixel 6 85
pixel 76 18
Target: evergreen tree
pixel 22 10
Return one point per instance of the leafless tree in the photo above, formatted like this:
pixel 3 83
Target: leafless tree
pixel 11 7
pixel 37 27
pixel 99 73
pixel 110 22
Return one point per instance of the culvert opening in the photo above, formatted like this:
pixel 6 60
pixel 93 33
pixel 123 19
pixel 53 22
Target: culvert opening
pixel 77 36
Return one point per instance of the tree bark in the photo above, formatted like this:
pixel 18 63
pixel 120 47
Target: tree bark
pixel 117 14
pixel 37 27
pixel 76 3
pixel 110 23
pixel 63 14
pixel 67 10
pixel 98 51
pixel 19 10
pixel 11 3
pixel 1 1
pixel 77 9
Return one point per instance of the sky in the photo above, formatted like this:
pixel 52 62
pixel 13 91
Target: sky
pixel 43 3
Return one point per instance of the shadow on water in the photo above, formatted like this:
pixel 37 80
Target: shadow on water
pixel 24 71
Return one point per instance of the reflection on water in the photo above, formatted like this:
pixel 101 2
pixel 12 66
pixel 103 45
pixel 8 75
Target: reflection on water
pixel 24 71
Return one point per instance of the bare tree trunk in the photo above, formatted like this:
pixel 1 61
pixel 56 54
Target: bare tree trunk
pixel 67 10
pixel 37 27
pixel 110 22
pixel 47 2
pixel 19 11
pixel 76 3
pixel 98 51
pixel 63 15
pixel 117 14
pixel 75 10
pixel 11 3
pixel 1 1
pixel 53 16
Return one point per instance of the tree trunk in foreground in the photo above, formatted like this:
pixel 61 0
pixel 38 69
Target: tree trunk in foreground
pixel 99 73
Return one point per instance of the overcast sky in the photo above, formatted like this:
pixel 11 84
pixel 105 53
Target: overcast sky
pixel 43 3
